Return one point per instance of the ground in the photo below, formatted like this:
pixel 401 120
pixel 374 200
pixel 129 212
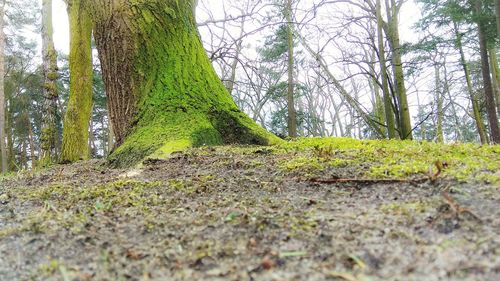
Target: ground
pixel 314 209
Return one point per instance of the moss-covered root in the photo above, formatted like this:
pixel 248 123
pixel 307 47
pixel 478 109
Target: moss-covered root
pixel 180 130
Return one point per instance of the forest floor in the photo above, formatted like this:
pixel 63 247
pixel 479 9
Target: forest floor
pixel 314 209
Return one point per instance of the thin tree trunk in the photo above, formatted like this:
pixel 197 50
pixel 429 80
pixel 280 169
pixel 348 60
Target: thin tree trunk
pixel 91 139
pixel 76 121
pixel 495 75
pixel 11 157
pixel 377 103
pixel 389 113
pixel 31 142
pixel 234 63
pixel 23 160
pixel 292 119
pixel 423 129
pixel 393 35
pixel 488 87
pixel 481 129
pixel 439 106
pixel 342 91
pixel 3 148
pixel 497 9
pixel 103 136
pixel 452 103
pixel 49 127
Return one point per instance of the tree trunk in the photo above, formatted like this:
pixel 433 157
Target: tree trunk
pixel 495 75
pixel 31 143
pixel 439 106
pixel 389 112
pixel 377 103
pixel 488 87
pixel 111 137
pixel 234 64
pixel 292 119
pixel 393 35
pixel 497 10
pixel 446 89
pixel 23 157
pixel 481 129
pixel 91 140
pixel 77 117
pixel 49 126
pixel 353 103
pixel 163 92
pixel 11 157
pixel 3 148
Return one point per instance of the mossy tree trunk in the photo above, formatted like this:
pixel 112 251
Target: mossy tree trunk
pixel 388 106
pixel 405 127
pixel 497 13
pixel 163 93
pixel 76 121
pixel 48 135
pixel 378 104
pixel 292 119
pixel 495 76
pixel 485 69
pixel 3 148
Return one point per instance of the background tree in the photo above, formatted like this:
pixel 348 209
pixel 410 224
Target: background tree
pixel 76 120
pixel 49 136
pixel 3 148
pixel 292 119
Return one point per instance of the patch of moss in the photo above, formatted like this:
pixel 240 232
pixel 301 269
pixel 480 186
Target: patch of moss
pixel 403 159
pixel 71 207
pixel 405 208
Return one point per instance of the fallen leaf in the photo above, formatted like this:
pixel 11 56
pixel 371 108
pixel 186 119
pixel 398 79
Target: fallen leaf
pixel 267 263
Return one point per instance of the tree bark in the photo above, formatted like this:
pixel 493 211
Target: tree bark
pixel 31 142
pixel 393 36
pixel 163 93
pixel 292 119
pixel 49 126
pixel 495 75
pixel 446 89
pixel 439 106
pixel 3 148
pixel 497 11
pixel 389 112
pixel 77 117
pixel 488 87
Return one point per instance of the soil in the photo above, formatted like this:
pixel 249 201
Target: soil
pixel 237 214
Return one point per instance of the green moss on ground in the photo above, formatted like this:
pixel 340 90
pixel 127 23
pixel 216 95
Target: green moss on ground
pixel 185 209
pixel 392 159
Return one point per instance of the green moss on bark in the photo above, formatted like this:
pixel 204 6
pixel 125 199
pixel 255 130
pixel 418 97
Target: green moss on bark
pixel 76 120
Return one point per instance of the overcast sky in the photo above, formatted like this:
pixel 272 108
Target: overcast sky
pixel 409 15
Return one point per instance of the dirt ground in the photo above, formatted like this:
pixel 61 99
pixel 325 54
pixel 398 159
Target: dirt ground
pixel 238 214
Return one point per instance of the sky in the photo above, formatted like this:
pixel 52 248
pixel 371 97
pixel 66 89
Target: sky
pixel 409 15
pixel 61 26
